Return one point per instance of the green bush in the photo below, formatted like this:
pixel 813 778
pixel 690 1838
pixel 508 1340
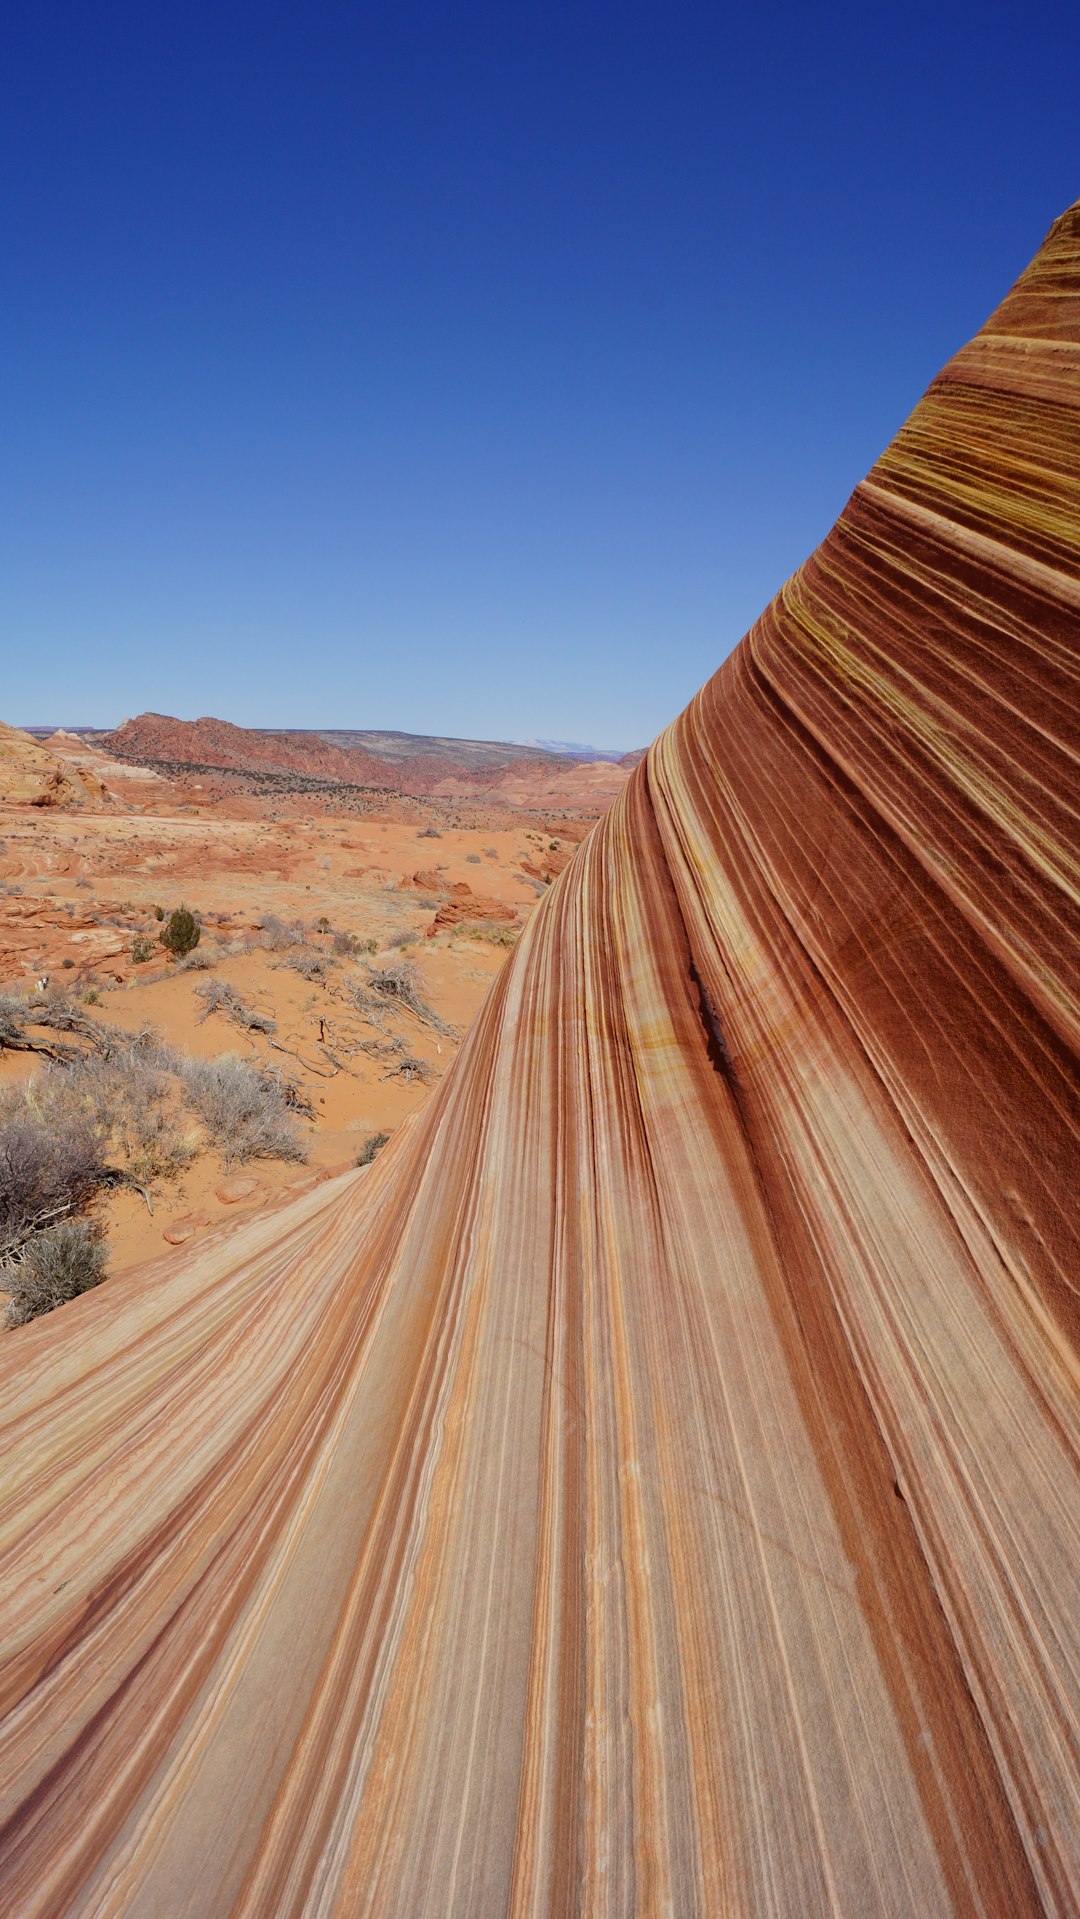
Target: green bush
pixel 181 932
pixel 372 1145
pixel 142 948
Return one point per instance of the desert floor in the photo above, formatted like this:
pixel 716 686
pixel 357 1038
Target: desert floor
pixel 78 889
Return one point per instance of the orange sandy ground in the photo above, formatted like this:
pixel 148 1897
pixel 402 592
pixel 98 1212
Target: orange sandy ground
pixel 234 871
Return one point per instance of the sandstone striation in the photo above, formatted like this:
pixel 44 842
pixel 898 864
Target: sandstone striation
pixel 651 1486
pixel 31 774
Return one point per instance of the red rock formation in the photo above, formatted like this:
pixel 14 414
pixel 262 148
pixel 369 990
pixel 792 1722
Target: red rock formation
pixel 31 774
pixel 652 1486
pixel 217 743
pixel 464 907
pixel 209 744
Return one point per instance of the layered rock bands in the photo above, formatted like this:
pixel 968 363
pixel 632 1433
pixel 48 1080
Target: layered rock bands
pixel 651 1488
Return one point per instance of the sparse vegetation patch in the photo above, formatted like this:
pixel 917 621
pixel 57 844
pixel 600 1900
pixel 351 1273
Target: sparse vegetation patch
pixel 371 1147
pixel 63 1261
pixel 244 1110
pixel 400 984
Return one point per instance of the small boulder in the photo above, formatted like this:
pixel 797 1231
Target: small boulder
pixel 179 1232
pixel 231 1191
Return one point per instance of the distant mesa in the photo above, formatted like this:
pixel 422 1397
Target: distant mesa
pixel 421 765
pixel 133 763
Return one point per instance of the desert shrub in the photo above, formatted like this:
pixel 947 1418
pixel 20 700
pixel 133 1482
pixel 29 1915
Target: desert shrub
pixel 50 1167
pixel 142 948
pixel 244 1111
pixel 310 965
pixel 398 940
pixel 277 937
pixel 54 1008
pixel 322 925
pixel 367 946
pixel 159 912
pixel 123 1097
pixel 67 963
pixel 13 1014
pixel 492 932
pixel 147 1129
pixel 58 1265
pixel 472 859
pixel 411 1068
pixel 400 984
pixel 55 997
pixel 181 932
pixel 83 885
pixel 372 1145
pixel 219 997
pixel 195 963
pixel 370 1006
pixel 344 945
pixel 429 833
pixel 387 1046
pixel 296 1097
pixel 91 997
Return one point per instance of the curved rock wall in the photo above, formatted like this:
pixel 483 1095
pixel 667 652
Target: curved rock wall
pixel 652 1487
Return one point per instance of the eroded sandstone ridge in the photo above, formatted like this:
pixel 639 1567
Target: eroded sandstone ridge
pixel 652 1487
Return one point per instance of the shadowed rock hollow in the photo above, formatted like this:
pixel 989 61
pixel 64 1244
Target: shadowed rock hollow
pixel 652 1486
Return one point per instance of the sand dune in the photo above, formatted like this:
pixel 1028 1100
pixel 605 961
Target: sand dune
pixel 652 1486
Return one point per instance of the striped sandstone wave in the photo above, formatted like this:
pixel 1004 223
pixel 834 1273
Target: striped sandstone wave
pixel 652 1487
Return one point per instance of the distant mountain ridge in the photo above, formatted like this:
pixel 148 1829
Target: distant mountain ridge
pixel 413 764
pixel 396 746
pixel 388 743
pixel 576 750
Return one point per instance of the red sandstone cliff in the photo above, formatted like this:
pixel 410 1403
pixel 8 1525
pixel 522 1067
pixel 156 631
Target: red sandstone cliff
pixel 653 1486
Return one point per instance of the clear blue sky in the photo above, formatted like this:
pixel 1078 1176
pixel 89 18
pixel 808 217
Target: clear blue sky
pixel 467 368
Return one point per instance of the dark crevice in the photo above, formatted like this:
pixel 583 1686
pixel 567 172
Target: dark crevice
pixel 716 1041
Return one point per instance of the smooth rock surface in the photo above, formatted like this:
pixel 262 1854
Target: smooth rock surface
pixel 241 1186
pixel 180 1232
pixel 651 1486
